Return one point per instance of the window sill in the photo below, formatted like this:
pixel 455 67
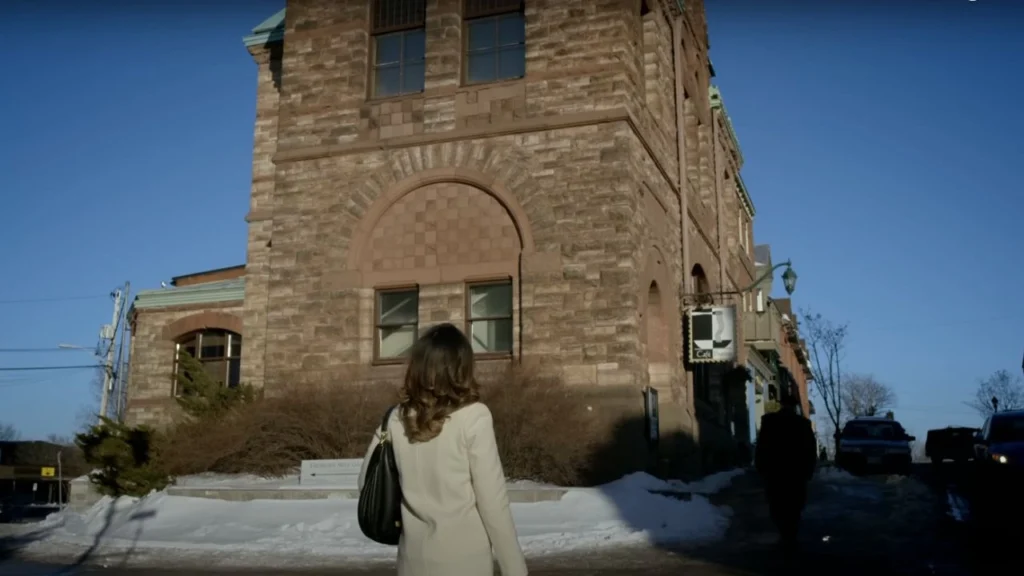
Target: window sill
pixel 468 85
pixel 388 361
pixel 492 356
pixel 397 98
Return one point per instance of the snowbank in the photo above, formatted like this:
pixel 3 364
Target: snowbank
pixel 623 512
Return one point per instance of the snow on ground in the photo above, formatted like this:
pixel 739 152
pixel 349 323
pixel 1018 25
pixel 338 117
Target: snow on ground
pixel 291 482
pixel 626 511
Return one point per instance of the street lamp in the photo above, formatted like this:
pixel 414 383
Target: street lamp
pixel 788 282
pixel 788 279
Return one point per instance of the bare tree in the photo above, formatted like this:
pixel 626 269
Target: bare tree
pixel 864 395
pixel 8 433
pixel 60 440
pixel 1005 388
pixel 826 342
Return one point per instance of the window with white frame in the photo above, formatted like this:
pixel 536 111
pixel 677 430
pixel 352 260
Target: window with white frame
pixel 218 351
pixel 399 47
pixel 397 323
pixel 489 317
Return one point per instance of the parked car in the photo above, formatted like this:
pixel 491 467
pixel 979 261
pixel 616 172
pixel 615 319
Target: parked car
pixel 954 443
pixel 999 457
pixel 869 444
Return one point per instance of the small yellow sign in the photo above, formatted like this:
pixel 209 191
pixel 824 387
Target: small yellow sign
pixel 48 472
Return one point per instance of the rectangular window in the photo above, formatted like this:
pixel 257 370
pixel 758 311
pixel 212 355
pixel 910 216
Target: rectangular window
pixel 495 40
pixel 399 47
pixel 397 322
pixel 490 317
pixel 219 352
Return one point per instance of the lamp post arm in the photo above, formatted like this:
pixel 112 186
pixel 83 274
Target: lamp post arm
pixel 755 284
pixel 763 277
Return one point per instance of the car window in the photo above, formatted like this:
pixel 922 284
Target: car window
pixel 1007 429
pixel 873 431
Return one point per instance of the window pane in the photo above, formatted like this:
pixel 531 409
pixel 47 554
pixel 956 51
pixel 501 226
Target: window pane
pixel 415 45
pixel 214 345
pixel 236 346
pixel 491 300
pixel 412 78
pixel 481 67
pixel 512 62
pixel 389 49
pixel 217 370
pixel 234 372
pixel 189 349
pixel 396 342
pixel 481 34
pixel 398 307
pixel 388 81
pixel 511 29
pixel 492 335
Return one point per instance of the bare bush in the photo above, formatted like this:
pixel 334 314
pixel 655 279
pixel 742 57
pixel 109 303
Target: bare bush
pixel 543 428
pixel 271 436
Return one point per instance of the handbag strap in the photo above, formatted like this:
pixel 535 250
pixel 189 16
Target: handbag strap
pixel 384 423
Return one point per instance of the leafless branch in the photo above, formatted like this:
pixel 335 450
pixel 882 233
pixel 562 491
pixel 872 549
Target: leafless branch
pixel 864 395
pixel 826 342
pixel 8 433
pixel 1006 388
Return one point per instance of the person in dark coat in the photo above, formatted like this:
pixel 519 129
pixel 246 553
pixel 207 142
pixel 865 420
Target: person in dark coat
pixel 785 458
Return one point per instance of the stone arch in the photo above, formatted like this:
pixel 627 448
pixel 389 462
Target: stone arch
pixel 411 184
pixel 699 280
pixel 658 339
pixel 658 306
pixel 202 321
pixel 501 170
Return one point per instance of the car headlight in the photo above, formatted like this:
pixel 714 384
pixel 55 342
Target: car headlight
pixel 1000 458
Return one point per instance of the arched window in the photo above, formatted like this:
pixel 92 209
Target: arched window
pixel 219 351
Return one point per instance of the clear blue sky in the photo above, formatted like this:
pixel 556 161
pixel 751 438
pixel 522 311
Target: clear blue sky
pixel 882 147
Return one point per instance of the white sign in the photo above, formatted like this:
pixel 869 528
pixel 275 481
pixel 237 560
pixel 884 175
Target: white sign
pixel 712 336
pixel 341 473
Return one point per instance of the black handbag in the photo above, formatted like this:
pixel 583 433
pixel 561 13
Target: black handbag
pixel 380 500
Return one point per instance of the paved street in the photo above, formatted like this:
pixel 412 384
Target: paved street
pixel 876 526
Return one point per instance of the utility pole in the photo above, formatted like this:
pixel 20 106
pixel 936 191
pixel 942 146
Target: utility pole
pixel 109 334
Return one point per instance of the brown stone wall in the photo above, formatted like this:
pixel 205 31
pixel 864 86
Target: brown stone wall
pixel 153 336
pixel 257 268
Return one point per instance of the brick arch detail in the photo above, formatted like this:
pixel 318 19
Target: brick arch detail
pixel 203 321
pixel 655 271
pixel 500 171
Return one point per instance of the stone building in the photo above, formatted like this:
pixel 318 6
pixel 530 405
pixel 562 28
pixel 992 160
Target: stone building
pixel 559 178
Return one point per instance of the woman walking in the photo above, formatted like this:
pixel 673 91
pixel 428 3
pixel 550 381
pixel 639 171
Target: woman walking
pixel 454 501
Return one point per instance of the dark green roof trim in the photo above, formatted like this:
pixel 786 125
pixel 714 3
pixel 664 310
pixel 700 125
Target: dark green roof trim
pixel 267 32
pixel 717 103
pixel 209 293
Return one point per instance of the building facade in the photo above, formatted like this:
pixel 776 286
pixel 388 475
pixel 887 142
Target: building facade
pixel 560 179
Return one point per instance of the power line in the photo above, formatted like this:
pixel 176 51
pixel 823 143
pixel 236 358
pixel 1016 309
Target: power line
pixel 58 299
pixel 27 368
pixel 51 349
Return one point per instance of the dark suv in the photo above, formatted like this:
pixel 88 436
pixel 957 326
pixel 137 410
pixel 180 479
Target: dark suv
pixel 874 445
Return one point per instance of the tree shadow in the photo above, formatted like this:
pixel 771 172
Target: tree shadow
pixel 12 545
pixel 92 553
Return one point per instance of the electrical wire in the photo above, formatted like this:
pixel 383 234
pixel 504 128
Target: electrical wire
pixel 53 349
pixel 34 368
pixel 56 299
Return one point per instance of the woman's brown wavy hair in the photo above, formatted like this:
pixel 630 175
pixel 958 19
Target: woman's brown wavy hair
pixel 438 381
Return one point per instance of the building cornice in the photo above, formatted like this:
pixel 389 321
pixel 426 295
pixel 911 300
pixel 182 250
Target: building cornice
pixel 207 293
pixel 269 31
pixel 718 103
